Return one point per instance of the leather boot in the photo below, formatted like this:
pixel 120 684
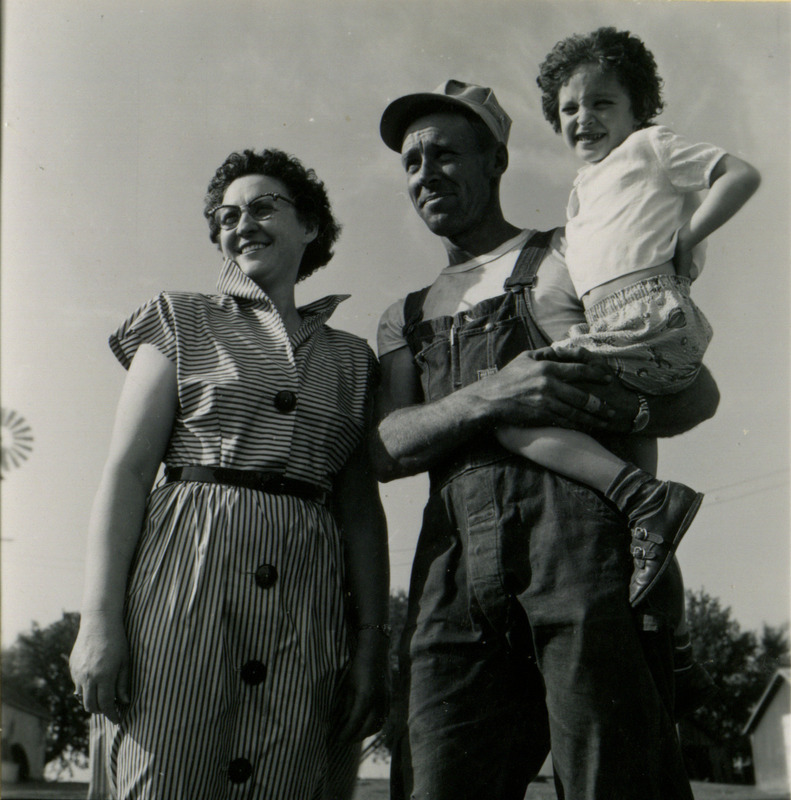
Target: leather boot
pixel 659 513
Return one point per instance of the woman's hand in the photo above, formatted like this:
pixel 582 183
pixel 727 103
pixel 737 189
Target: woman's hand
pixel 99 665
pixel 363 702
pixel 365 691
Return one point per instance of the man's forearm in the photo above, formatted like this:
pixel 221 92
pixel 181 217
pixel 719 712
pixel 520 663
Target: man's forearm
pixel 410 439
pixel 530 390
pixel 673 414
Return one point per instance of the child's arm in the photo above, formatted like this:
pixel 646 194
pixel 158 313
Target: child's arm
pixel 733 182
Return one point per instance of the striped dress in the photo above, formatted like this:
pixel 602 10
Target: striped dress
pixel 234 610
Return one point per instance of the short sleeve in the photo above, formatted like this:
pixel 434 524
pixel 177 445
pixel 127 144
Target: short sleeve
pixel 372 373
pixel 573 205
pixel 390 334
pixel 152 323
pixel 688 165
pixel 374 370
pixel 374 378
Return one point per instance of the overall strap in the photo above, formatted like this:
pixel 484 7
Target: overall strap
pixel 520 284
pixel 413 310
pixel 533 252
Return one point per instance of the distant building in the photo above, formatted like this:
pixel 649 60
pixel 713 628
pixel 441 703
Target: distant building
pixel 24 736
pixel 705 758
pixel 769 729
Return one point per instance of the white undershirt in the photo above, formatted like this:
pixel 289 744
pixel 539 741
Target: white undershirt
pixel 460 286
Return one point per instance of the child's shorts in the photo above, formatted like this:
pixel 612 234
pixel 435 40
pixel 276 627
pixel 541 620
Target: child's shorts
pixel 650 332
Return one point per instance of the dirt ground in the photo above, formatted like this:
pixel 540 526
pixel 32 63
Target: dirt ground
pixel 378 790
pixel 544 790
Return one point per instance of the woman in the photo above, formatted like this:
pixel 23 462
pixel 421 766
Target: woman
pixel 213 637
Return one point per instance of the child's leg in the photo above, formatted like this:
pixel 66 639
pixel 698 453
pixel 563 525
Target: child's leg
pixel 659 512
pixel 694 686
pixel 570 453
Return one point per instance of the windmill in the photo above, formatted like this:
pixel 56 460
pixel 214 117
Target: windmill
pixel 16 440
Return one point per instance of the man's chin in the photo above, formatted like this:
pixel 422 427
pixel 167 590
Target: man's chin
pixel 440 224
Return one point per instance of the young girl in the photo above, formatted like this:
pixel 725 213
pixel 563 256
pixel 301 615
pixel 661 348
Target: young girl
pixel 633 232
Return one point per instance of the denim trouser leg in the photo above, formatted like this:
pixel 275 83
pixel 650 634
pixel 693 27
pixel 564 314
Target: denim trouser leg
pixel 476 705
pixel 516 566
pixel 605 714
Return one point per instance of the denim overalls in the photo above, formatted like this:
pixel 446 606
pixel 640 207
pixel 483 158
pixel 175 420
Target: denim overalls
pixel 519 633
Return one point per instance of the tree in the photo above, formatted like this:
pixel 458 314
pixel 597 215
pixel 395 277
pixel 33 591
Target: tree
pixel 740 662
pixel 38 664
pixel 773 651
pixel 398 606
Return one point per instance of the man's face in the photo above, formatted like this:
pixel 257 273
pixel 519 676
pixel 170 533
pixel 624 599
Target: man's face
pixel 449 179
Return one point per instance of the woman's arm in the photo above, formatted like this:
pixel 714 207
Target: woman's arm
pixel 362 522
pixel 144 418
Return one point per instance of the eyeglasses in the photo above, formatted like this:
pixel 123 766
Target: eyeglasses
pixel 260 209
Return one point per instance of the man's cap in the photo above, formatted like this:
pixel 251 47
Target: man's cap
pixel 449 96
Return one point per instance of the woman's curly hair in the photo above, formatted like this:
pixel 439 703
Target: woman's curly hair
pixel 307 191
pixel 614 51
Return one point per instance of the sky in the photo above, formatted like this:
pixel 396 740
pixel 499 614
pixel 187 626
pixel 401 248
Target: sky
pixel 116 114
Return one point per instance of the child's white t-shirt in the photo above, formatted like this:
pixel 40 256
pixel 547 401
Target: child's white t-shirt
pixel 460 286
pixel 624 212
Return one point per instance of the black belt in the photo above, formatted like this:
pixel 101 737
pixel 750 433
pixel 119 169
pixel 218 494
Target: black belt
pixel 271 482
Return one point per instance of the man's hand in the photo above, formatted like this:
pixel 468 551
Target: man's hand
pixel 669 414
pixel 618 403
pixel 570 389
pixel 540 387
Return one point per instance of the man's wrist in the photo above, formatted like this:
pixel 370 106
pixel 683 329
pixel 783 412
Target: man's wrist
pixel 643 415
pixel 475 409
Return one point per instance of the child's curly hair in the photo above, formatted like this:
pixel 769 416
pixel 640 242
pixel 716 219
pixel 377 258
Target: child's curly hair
pixel 615 51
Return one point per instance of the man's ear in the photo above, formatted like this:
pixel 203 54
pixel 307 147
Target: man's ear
pixel 500 157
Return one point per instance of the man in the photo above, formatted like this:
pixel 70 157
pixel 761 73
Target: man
pixel 519 632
